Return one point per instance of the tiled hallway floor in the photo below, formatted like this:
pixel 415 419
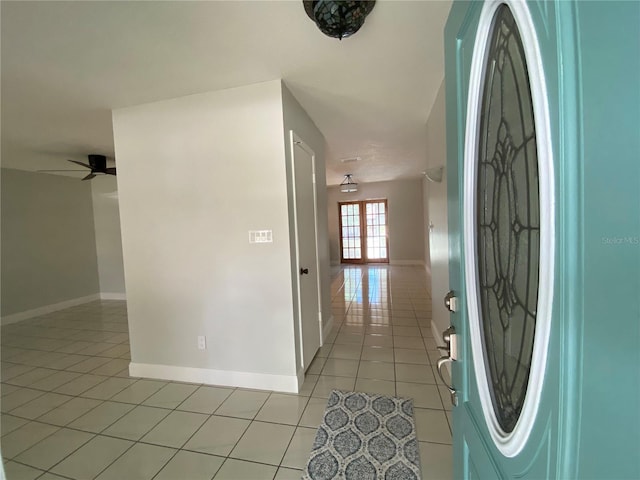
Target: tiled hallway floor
pixel 70 409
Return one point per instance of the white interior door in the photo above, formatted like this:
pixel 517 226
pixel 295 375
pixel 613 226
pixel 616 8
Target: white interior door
pixel 310 323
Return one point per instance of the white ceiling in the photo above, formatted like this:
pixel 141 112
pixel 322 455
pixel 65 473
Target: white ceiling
pixel 65 65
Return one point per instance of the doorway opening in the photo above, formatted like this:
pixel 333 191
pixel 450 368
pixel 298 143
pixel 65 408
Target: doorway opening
pixel 364 236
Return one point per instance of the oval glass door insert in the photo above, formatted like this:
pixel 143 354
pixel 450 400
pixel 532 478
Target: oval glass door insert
pixel 508 220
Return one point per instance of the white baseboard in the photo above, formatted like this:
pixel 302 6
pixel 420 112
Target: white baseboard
pixel 407 262
pixel 420 263
pixel 326 329
pixel 18 317
pixel 227 378
pixel 113 296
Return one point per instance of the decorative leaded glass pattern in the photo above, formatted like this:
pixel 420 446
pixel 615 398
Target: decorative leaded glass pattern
pixel 508 220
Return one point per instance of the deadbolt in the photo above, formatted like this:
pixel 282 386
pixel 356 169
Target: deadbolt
pixel 451 301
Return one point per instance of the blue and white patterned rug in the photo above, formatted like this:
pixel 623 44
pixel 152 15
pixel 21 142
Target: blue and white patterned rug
pixel 365 437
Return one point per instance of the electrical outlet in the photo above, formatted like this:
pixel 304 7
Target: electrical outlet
pixel 202 342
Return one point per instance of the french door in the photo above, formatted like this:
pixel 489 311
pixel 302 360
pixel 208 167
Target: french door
pixel 363 232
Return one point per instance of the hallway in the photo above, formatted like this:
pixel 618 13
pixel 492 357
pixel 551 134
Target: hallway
pixel 70 409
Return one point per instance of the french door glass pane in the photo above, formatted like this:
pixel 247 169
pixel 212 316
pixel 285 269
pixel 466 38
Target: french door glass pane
pixel 351 241
pixel 376 231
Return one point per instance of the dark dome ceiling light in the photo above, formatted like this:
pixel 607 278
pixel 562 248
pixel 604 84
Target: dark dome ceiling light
pixel 338 19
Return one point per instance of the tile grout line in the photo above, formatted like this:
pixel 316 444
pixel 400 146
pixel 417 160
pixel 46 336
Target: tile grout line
pixel 134 443
pixel 80 336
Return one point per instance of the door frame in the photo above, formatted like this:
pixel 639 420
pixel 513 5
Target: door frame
pixel 295 140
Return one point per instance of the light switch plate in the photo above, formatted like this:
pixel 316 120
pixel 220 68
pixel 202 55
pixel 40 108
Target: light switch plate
pixel 260 236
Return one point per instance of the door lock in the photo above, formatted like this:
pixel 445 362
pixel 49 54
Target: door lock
pixel 304 271
pixel 451 301
pixel 450 348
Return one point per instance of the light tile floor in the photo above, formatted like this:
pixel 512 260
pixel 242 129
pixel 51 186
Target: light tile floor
pixel 71 410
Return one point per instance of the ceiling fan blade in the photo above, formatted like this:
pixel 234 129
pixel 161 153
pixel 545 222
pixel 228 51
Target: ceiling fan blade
pixel 80 163
pixel 59 170
pixel 89 177
pixel 110 171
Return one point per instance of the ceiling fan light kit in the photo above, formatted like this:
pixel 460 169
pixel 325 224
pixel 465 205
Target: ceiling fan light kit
pixel 338 19
pixel 348 185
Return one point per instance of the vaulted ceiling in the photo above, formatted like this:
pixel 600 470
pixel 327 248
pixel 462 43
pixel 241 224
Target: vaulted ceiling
pixel 65 65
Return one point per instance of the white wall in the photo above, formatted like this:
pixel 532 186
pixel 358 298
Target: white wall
pixel 48 242
pixel 106 214
pixel 405 217
pixel 437 205
pixel 195 174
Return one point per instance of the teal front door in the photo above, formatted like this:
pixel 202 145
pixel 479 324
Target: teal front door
pixel 543 160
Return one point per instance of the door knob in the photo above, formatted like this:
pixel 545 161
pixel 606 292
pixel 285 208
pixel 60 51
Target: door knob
pixel 304 271
pixel 452 391
pixel 451 354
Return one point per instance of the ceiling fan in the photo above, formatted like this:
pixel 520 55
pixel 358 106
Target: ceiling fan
pixel 97 164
